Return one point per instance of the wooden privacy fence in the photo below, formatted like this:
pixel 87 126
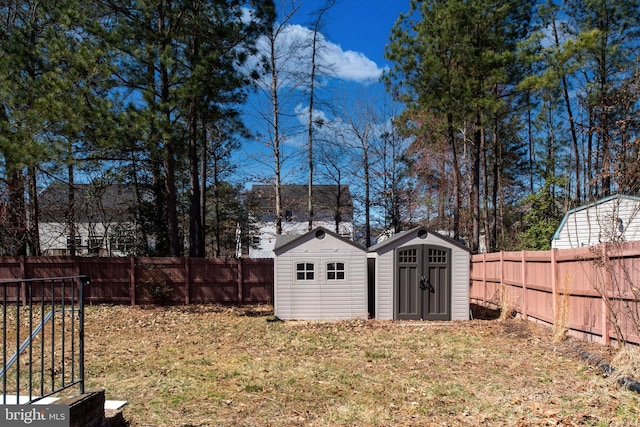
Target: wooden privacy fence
pixel 138 280
pixel 593 291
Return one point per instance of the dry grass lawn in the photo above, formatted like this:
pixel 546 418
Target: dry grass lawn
pixel 217 366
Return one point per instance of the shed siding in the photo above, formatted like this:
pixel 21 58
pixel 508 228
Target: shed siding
pixel 321 299
pixel 460 265
pixel 384 285
pixel 598 223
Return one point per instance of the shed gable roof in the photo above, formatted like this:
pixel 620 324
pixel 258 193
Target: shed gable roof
pixel 285 242
pixel 407 235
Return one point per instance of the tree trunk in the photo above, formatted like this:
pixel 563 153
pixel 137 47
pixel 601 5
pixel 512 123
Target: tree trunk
pixel 169 160
pixel 196 241
pixel 196 232
pixel 572 124
pixel 276 137
pixel 456 178
pixel 34 213
pixel 475 186
pixel 203 186
pixel 71 209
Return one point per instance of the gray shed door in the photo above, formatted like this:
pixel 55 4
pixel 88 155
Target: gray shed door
pixel 423 287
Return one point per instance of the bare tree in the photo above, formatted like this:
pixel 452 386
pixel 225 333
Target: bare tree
pixel 316 46
pixel 358 133
pixel 283 56
pixel 333 161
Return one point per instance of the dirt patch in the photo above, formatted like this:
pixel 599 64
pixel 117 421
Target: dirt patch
pixel 520 330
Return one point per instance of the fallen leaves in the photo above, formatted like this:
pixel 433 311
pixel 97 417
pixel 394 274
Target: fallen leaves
pixel 215 365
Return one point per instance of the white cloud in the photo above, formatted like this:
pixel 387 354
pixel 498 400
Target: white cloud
pixel 319 116
pixel 293 52
pixel 350 65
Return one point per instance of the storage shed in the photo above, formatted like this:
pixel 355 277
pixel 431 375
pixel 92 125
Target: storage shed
pixel 420 274
pixel 319 276
pixel 611 219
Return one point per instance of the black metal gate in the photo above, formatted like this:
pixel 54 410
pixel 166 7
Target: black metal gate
pixel 42 346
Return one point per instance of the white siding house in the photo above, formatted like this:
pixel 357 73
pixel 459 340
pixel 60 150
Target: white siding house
pixel 319 276
pixel 612 219
pixel 104 221
pixel 332 206
pixel 420 274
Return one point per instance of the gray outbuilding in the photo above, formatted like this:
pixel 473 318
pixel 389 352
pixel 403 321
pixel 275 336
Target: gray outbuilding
pixel 612 219
pixel 419 274
pixel 319 276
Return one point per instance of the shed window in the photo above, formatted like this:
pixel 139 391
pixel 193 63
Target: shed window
pixel 408 255
pixel 304 271
pixel 335 271
pixel 437 256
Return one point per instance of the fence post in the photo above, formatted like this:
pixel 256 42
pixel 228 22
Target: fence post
pixel 523 271
pixel 503 286
pixel 187 280
pixel 132 280
pixel 23 285
pixel 240 280
pixel 484 278
pixel 554 283
pixel 606 335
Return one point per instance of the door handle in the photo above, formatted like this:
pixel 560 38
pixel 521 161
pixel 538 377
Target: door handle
pixel 425 284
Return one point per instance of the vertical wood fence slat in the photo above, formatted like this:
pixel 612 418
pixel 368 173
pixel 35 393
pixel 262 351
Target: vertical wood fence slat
pixel 132 280
pixel 23 291
pixel 484 276
pixel 523 275
pixel 187 281
pixel 240 281
pixel 554 282
pixel 606 335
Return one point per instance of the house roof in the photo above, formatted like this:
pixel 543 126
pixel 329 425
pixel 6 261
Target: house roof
pixel 394 240
pixel 107 203
pixel 328 200
pixel 287 241
pixel 570 212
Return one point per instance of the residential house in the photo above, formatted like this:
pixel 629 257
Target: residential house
pixel 103 218
pixel 611 219
pixel 332 209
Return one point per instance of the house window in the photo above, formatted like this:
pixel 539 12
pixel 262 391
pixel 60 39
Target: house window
pixel 335 271
pixel 305 271
pixel 121 244
pixel 95 243
pixel 77 242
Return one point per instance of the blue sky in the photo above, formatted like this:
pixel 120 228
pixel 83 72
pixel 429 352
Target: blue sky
pixel 354 33
pixel 361 25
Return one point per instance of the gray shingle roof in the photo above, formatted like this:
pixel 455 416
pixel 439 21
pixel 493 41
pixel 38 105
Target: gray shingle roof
pixel 328 200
